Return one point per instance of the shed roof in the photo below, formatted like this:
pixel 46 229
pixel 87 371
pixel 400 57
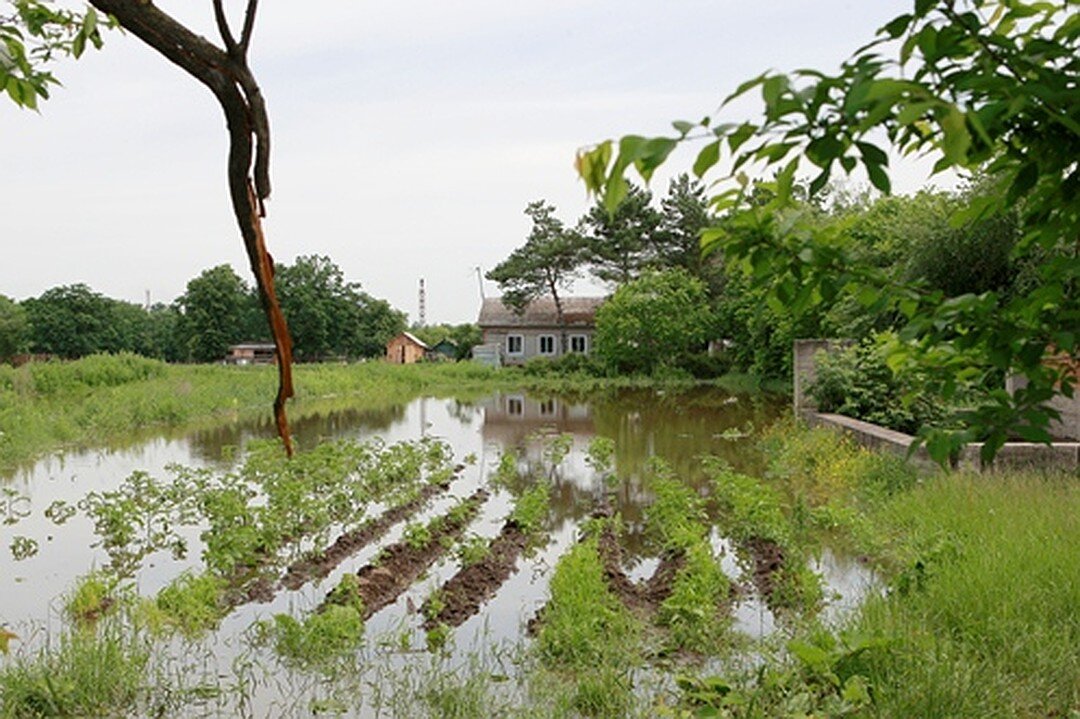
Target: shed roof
pixel 577 312
pixel 413 338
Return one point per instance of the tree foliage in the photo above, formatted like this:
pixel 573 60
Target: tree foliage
pixel 32 34
pixel 544 266
pixel 331 317
pixel 656 320
pixel 977 85
pixel 14 328
pixel 619 245
pixel 216 312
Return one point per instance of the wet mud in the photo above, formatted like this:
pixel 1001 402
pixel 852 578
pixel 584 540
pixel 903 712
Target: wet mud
pixel 401 564
pixel 463 595
pixel 320 565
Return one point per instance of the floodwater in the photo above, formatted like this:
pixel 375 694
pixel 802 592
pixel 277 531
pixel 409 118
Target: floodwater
pixel 676 427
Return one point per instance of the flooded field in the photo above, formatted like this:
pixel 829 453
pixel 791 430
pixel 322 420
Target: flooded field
pixel 446 545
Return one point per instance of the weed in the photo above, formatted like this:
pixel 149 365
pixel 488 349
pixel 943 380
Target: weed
pixel 584 624
pixel 87 673
pixel 472 550
pixel 191 603
pixel 321 639
pixel 23 547
pixel 676 517
pixel 416 536
pixel 693 612
pixel 93 596
pixel 531 509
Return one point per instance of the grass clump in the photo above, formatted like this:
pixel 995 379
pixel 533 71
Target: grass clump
pixel 85 674
pixel 93 596
pixel 192 604
pixel 321 639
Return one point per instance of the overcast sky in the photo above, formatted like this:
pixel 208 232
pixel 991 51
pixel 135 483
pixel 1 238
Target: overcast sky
pixel 408 135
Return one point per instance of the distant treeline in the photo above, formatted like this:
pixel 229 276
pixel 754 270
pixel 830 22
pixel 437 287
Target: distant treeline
pixel 328 317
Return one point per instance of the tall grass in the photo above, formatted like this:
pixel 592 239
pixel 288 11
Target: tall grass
pixel 984 617
pixel 104 399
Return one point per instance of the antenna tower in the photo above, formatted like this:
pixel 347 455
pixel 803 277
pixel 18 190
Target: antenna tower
pixel 423 304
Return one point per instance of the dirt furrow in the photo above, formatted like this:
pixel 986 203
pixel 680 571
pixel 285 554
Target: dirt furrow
pixel 466 591
pixel 401 564
pixel 348 544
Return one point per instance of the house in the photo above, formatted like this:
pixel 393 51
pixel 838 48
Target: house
pixel 252 353
pixel 445 350
pixel 510 337
pixel 406 348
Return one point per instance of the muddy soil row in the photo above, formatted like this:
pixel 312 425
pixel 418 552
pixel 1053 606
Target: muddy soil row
pixel 260 583
pixel 320 565
pixel 466 591
pixel 768 560
pixel 401 564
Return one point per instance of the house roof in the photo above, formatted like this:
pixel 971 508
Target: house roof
pixel 577 311
pixel 414 339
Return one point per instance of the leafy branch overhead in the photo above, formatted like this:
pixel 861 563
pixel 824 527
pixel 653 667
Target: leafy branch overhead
pixel 979 86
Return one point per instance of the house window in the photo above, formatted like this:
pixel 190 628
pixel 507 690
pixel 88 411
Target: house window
pixel 579 343
pixel 515 406
pixel 547 344
pixel 515 344
pixel 547 408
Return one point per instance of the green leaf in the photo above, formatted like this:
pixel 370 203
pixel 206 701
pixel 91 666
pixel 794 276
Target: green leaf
pixel 897 26
pixel 879 178
pixel 709 156
pixel 683 127
pixel 955 139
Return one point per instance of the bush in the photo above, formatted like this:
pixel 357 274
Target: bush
pixel 856 382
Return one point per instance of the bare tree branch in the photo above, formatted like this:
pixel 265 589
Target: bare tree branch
pixel 223 28
pixel 227 75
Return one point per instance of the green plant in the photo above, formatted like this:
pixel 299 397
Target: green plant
pixel 693 612
pixel 85 673
pixel 531 509
pixel 192 603
pixel 321 639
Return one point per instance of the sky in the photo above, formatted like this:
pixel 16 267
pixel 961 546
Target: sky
pixel 408 136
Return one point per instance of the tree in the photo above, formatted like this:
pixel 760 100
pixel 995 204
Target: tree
pixel 621 244
pixel 978 85
pixel 215 312
pixel 544 265
pixel 14 328
pixel 684 214
pixel 72 321
pixel 656 320
pixel 330 316
pixel 223 70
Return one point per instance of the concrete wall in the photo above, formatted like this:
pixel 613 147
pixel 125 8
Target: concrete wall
pixel 1059 456
pixel 805 370
pixel 1068 427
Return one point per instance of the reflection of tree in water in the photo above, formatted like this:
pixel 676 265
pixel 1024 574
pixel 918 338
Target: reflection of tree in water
pixel 308 429
pixel 464 412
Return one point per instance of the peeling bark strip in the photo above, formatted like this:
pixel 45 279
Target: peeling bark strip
pixel 227 75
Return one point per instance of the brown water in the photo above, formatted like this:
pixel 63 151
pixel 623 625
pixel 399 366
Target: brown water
pixel 676 427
